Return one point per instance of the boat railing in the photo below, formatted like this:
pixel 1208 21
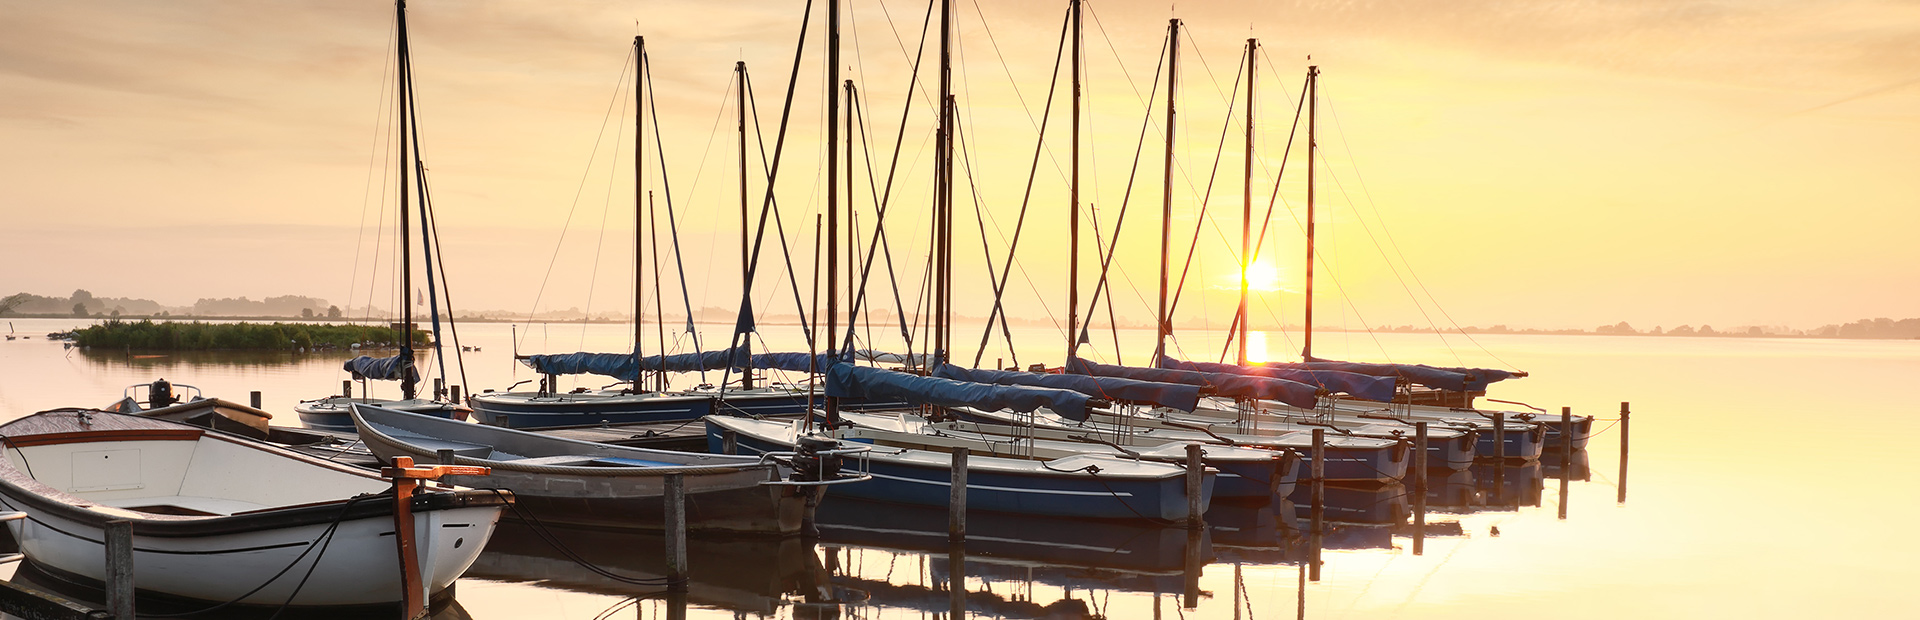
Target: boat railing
pixel 787 458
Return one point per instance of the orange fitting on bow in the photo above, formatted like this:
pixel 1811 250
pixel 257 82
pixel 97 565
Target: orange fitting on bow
pixel 403 468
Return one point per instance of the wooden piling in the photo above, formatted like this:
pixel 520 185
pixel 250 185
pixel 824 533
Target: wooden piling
pixel 676 531
pixel 1624 415
pixel 729 442
pixel 1419 488
pixel 1196 487
pixel 1319 500
pixel 1500 436
pixel 957 580
pixel 1566 456
pixel 253 399
pixel 446 456
pixel 439 386
pixel 957 497
pixel 454 395
pixel 119 535
pixel 346 388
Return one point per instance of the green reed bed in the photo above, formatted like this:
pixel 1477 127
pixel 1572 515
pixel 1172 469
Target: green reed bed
pixel 198 336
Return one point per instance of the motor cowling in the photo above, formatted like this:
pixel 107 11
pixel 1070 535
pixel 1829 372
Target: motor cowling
pixel 809 462
pixel 160 394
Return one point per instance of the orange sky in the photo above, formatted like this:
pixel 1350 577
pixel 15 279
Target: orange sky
pixel 1544 164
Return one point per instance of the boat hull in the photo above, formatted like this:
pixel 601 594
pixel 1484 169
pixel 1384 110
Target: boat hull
pixel 526 411
pixel 1066 495
pixel 719 499
pixel 358 565
pixel 331 414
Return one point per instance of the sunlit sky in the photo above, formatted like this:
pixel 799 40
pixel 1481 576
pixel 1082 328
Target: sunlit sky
pixel 1537 163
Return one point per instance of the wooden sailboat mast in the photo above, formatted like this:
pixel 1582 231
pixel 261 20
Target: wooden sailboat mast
pixel 1313 149
pixel 404 89
pixel 740 103
pixel 1073 219
pixel 833 193
pixel 943 195
pixel 1163 323
pixel 1246 210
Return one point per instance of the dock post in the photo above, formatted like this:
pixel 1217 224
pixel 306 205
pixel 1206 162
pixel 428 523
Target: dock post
pixel 1499 459
pixel 1319 499
pixel 454 396
pixel 676 530
pixel 957 580
pixel 346 388
pixel 1196 488
pixel 1624 415
pixel 1566 456
pixel 1500 436
pixel 439 386
pixel 957 497
pixel 253 399
pixel 1419 488
pixel 446 456
pixel 119 536
pixel 729 442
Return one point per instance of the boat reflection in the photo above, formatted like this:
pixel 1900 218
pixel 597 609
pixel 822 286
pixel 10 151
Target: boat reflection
pixel 27 573
pixel 753 575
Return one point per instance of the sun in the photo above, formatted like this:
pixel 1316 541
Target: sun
pixel 1263 276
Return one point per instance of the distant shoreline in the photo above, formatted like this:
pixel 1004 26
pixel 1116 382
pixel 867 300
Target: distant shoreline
pixel 791 322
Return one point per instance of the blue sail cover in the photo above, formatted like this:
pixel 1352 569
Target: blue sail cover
pixel 1178 396
pixel 1456 379
pixel 695 362
pixel 1225 384
pixel 850 381
pixel 794 362
pixel 396 368
pixel 617 365
pixel 1369 387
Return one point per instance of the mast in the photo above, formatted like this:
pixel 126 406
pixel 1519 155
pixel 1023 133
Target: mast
pixel 833 192
pixel 1164 323
pixel 1313 147
pixel 1246 209
pixel 1073 219
pixel 404 73
pixel 740 78
pixel 639 208
pixel 943 192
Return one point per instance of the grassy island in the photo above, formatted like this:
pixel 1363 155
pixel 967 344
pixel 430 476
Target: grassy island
pixel 198 336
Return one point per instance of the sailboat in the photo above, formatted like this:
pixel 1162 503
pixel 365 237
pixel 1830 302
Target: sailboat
pixel 333 412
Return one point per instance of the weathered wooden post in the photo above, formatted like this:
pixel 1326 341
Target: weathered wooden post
pixel 729 442
pixel 676 530
pixel 957 497
pixel 1419 488
pixel 119 536
pixel 1566 456
pixel 1196 487
pixel 1499 459
pixel 454 396
pixel 446 456
pixel 253 399
pixel 346 388
pixel 439 386
pixel 1319 500
pixel 1624 415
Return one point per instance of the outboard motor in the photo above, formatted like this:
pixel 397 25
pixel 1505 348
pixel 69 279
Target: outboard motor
pixel 160 394
pixel 809 465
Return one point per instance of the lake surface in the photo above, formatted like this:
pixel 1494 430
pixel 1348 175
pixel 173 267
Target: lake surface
pixel 1771 478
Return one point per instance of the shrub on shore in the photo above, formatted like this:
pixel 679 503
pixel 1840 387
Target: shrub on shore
pixel 198 336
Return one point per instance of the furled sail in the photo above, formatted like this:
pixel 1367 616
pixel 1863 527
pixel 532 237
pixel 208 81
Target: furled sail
pixel 1456 379
pixel 1370 387
pixel 850 381
pixel 397 368
pixel 1176 395
pixel 1224 384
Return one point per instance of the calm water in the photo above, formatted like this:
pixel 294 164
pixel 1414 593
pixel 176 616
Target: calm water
pixel 1771 478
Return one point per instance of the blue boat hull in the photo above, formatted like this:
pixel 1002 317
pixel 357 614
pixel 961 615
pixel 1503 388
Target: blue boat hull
pixel 556 415
pixel 1074 496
